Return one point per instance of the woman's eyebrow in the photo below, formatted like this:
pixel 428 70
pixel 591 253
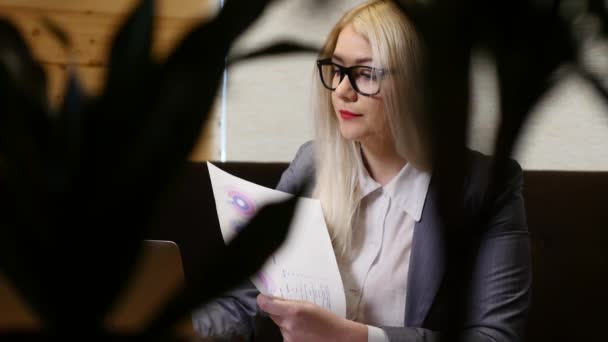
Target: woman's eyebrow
pixel 357 61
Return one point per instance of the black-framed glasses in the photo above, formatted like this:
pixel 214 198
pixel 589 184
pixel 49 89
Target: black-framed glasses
pixel 365 80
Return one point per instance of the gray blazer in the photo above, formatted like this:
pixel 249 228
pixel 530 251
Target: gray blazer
pixel 499 291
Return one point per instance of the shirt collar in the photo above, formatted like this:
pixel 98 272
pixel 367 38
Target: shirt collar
pixel 366 182
pixel 408 189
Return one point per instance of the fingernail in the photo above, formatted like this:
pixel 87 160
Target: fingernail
pixel 262 300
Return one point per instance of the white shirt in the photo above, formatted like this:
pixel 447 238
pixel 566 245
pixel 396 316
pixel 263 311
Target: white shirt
pixel 375 270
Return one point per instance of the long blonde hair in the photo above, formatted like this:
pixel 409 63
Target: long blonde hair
pixel 395 47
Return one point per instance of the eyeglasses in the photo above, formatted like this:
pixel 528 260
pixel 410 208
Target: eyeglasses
pixel 365 80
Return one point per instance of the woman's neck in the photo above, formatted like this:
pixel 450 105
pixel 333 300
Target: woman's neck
pixel 382 161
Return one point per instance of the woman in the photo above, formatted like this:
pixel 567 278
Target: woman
pixel 373 174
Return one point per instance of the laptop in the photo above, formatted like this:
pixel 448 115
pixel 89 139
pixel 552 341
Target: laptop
pixel 158 275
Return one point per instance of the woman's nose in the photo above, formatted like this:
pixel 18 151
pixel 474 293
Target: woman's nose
pixel 345 89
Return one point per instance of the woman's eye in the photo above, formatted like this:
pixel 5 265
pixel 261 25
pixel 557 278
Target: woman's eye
pixel 368 75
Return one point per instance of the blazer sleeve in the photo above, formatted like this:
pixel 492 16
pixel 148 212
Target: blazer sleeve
pixel 299 170
pixel 499 292
pixel 233 314
pixel 229 316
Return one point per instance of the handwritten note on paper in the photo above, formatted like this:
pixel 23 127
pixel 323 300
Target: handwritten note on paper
pixel 304 267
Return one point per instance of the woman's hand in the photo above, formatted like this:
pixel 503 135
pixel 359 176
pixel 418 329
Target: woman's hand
pixel 303 321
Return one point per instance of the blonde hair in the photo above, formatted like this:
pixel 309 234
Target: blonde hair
pixel 396 47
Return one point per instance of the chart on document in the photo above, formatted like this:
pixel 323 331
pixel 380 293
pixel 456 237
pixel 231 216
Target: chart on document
pixel 304 267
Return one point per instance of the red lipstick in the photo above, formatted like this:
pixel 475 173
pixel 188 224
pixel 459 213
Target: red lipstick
pixel 346 115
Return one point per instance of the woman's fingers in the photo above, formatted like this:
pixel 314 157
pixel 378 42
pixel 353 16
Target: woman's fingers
pixel 273 305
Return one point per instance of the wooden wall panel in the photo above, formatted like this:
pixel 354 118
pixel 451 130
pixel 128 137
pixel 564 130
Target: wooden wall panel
pixel 207 147
pixel 167 8
pixel 91 24
pixel 91 33
pixel 92 78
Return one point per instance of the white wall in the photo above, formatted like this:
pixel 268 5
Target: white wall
pixel 268 113
pixel 568 129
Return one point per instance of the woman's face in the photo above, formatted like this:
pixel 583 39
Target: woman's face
pixel 360 117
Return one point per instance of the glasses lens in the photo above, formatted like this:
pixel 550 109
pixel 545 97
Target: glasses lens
pixel 367 79
pixel 330 76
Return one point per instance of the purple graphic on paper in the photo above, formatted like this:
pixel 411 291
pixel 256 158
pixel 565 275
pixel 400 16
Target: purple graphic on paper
pixel 243 204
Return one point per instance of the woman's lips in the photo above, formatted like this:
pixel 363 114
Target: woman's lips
pixel 346 115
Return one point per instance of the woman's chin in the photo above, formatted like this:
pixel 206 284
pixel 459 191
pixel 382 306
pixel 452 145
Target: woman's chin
pixel 351 135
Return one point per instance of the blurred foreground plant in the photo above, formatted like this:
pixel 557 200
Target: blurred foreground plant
pixel 79 184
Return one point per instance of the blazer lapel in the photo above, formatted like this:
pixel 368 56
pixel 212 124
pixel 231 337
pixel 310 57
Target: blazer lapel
pixel 426 263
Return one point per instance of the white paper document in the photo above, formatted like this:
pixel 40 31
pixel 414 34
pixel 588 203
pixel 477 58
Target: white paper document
pixel 304 267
